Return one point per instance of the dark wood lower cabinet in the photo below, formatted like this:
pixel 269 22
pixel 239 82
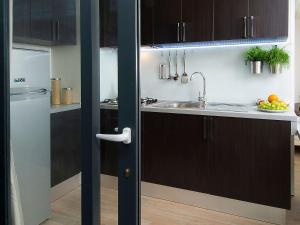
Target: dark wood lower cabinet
pixel 65 146
pixel 250 160
pixel 243 159
pixel 174 151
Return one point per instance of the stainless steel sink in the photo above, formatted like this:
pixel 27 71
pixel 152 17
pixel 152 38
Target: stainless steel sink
pixel 201 106
pixel 179 105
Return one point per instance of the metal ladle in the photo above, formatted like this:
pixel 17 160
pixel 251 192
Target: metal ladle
pixel 185 76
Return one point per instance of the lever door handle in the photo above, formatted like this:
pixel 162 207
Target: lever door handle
pixel 125 137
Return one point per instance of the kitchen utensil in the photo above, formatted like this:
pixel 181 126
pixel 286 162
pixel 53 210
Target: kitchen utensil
pixel 163 71
pixel 56 91
pixel 169 65
pixel 185 76
pixel 176 76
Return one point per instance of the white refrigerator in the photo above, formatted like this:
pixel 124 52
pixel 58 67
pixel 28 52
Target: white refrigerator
pixel 30 132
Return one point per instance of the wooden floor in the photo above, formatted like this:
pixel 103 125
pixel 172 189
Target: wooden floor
pixel 66 211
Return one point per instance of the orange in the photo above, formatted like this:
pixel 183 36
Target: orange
pixel 272 98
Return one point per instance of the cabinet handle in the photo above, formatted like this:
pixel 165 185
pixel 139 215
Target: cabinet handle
pixel 53 30
pixel 245 27
pixel 204 128
pixel 211 126
pixel 252 26
pixel 183 32
pixel 178 32
pixel 57 30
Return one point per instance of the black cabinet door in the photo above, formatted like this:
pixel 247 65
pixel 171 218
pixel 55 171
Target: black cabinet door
pixel 108 23
pixel 174 151
pixel 270 18
pixel 44 22
pixel 230 19
pixel 64 22
pixel 197 20
pixel 167 21
pixel 21 20
pixel 41 25
pixel 65 146
pixel 147 22
pixel 251 161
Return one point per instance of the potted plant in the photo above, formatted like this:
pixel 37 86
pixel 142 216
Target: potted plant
pixel 256 56
pixel 276 58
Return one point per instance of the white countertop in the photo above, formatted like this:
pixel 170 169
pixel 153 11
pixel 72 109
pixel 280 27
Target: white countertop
pixel 251 112
pixel 63 108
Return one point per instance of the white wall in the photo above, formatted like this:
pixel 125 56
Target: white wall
pixel 66 62
pixel 228 79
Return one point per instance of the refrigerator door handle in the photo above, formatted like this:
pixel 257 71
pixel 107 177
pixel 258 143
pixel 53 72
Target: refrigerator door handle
pixel 37 91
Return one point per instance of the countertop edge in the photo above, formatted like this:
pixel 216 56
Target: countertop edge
pixel 289 116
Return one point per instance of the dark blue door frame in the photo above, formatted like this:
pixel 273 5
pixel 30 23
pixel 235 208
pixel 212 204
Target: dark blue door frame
pixel 4 114
pixel 129 112
pixel 90 112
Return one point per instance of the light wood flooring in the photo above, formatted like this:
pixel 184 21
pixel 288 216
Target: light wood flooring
pixel 66 210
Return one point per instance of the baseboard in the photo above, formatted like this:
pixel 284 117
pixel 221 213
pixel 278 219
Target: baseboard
pixel 215 203
pixel 65 187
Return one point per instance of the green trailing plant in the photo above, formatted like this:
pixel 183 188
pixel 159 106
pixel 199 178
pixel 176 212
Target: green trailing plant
pixel 277 56
pixel 255 54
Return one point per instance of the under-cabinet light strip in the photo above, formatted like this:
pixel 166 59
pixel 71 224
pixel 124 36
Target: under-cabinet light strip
pixel 216 44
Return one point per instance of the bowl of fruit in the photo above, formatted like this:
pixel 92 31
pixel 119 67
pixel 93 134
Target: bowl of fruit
pixel 274 105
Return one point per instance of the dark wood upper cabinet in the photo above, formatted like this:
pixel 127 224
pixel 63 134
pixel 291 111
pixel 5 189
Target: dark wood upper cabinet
pixel 197 20
pixel 41 23
pixel 230 19
pixel 108 23
pixel 64 22
pixel 21 19
pixel 167 21
pixel 147 22
pixel 44 22
pixel 270 18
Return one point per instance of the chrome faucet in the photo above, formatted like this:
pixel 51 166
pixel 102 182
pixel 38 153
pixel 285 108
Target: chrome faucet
pixel 201 98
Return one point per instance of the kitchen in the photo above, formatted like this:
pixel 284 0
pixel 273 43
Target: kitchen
pixel 178 140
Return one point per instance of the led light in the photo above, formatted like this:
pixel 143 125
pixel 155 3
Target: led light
pixel 216 44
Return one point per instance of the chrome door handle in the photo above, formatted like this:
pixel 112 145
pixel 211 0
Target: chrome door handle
pixel 178 32
pixel 245 27
pixel 125 137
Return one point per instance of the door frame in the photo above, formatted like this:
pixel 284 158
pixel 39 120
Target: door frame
pixel 4 114
pixel 129 188
pixel 129 112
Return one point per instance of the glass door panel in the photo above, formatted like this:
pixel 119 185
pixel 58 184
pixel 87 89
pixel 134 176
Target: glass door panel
pixel 119 110
pixel 45 112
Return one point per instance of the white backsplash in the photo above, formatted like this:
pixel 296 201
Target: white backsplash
pixel 227 77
